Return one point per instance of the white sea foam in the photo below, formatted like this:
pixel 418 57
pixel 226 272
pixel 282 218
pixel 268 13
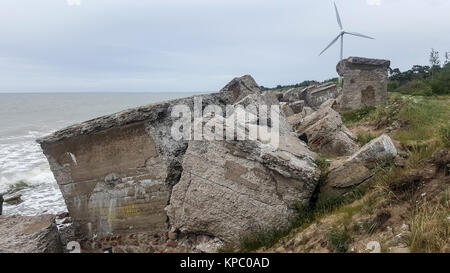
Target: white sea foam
pixel 25 117
pixel 22 160
pixel 40 199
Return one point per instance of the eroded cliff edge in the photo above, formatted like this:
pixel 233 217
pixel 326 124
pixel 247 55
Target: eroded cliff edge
pixel 124 174
pixel 130 186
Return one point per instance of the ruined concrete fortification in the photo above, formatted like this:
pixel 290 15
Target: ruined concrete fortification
pixel 311 96
pixel 358 168
pixel 320 94
pixel 29 234
pixel 233 188
pixel 116 172
pixel 324 132
pixel 129 185
pixel 365 82
pixel 124 174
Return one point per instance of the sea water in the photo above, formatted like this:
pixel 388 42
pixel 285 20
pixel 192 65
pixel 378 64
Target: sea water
pixel 27 116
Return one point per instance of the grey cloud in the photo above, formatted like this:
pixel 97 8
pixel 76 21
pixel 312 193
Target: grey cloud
pixel 199 45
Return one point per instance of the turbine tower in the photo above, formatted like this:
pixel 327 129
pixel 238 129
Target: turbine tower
pixel 342 33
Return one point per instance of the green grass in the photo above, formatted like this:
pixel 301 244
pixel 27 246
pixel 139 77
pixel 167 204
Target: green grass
pixel 381 115
pixel 422 125
pixel 339 240
pixel 415 119
pixel 430 228
pixel 423 119
pixel 355 116
pixel 305 216
pixel 444 134
pixel 364 138
pixel 419 153
pixel 369 227
pixel 415 88
pixel 322 161
pixel 445 196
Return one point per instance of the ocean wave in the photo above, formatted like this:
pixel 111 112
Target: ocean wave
pixel 22 161
pixel 25 117
pixel 39 199
pixel 32 178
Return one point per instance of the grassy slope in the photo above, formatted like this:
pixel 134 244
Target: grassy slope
pixel 419 126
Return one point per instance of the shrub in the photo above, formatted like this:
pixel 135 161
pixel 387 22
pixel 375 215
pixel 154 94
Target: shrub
pixel 392 85
pixel 416 88
pixel 440 83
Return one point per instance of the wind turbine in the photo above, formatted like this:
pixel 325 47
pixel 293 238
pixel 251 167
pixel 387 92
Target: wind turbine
pixel 342 33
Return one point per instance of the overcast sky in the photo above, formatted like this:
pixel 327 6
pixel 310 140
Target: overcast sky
pixel 200 45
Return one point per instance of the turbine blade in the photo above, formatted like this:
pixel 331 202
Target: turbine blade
pixel 332 42
pixel 337 16
pixel 359 35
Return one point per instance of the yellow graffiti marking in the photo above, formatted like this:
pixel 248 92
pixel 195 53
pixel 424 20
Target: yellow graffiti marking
pixel 118 212
pixel 131 210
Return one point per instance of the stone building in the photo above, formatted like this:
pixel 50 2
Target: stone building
pixel 365 82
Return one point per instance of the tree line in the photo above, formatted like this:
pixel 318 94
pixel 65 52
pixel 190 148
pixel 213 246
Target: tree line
pixel 423 80
pixel 297 85
pixel 420 80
